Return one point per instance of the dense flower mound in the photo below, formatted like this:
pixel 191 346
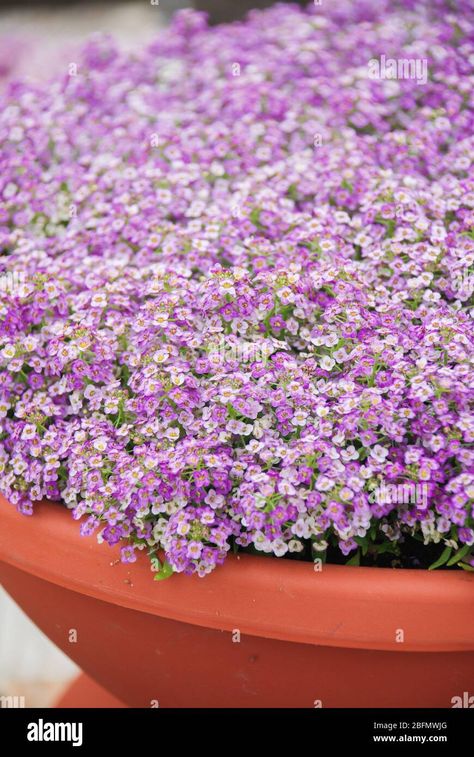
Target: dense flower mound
pixel 236 275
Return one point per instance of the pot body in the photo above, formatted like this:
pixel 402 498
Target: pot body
pixel 259 632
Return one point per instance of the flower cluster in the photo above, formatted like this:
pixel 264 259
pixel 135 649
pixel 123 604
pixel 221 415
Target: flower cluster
pixel 243 185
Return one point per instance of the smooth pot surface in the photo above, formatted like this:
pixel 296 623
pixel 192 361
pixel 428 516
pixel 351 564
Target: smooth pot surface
pixel 256 632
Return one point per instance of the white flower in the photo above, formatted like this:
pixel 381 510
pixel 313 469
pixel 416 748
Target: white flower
pixel 161 319
pixel 295 546
pixel 10 190
pixel 284 487
pixel 340 355
pixel 159 529
pixel 301 529
pixel 322 411
pixel 227 287
pixel 379 453
pixel 299 418
pixel 254 446
pixel 99 300
pixel 331 340
pixel 323 484
pixel 279 547
pixel 29 431
pixel 178 378
pixel 327 363
pixel 227 394
pixel 217 169
pixel 8 352
pixel 161 356
pixel 346 494
pixel 214 500
pixel 286 295
pixel 172 433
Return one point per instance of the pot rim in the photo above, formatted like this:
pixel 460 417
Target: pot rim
pixel 357 607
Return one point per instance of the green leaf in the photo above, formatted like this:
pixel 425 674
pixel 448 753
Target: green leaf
pixel 235 547
pixel 467 567
pixel 444 557
pixel 386 546
pixel 165 572
pixel 292 192
pixel 458 555
pixel 124 375
pixel 363 542
pixel 355 559
pixel 255 217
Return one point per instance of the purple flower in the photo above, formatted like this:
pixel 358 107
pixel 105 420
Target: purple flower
pixel 254 330
pixel 128 554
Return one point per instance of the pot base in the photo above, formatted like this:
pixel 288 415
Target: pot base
pixel 85 693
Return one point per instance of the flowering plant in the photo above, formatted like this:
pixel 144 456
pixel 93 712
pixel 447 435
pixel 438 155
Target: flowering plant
pixel 236 277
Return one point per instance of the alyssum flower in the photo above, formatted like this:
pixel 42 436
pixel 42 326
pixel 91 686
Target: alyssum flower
pixel 164 213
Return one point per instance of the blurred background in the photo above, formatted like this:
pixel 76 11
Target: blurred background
pixel 35 36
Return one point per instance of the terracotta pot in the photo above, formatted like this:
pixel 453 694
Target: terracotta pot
pixel 342 637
